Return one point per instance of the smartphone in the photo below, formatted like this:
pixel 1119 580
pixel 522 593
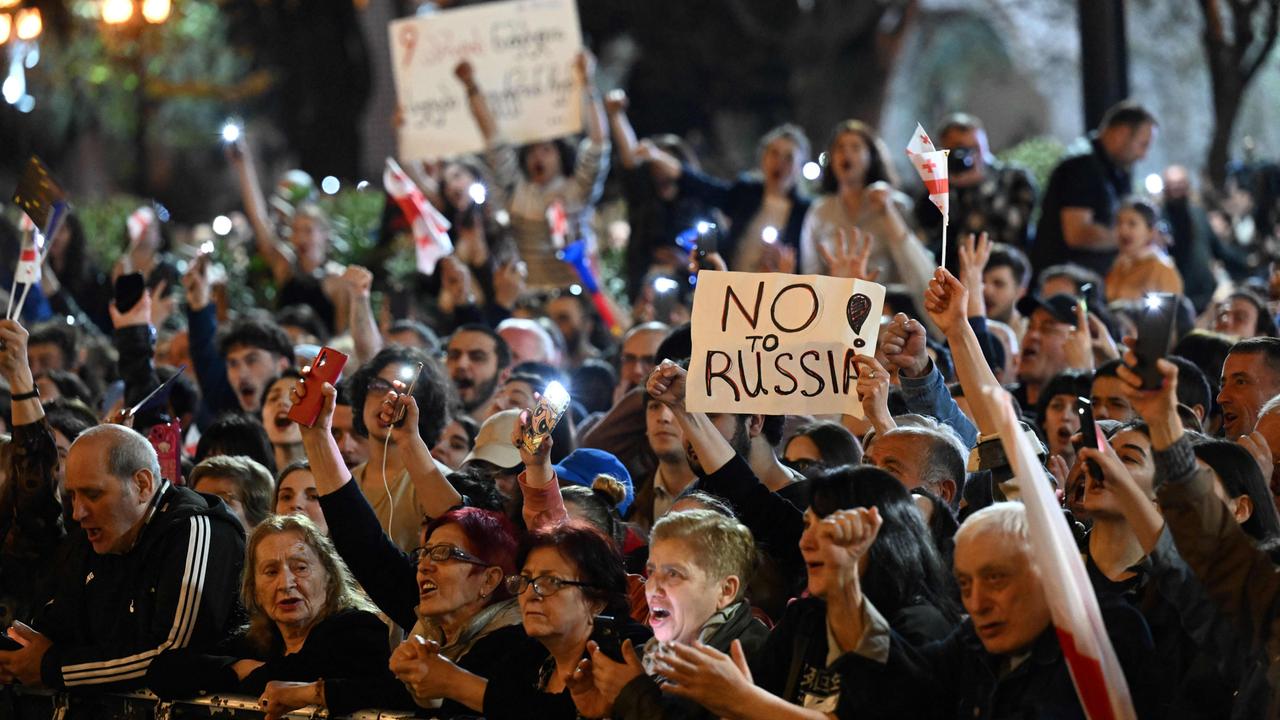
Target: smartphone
pixel 1155 335
pixel 546 414
pixel 708 239
pixel 399 418
pixel 1090 433
pixel 129 289
pixel 326 368
pixel 607 636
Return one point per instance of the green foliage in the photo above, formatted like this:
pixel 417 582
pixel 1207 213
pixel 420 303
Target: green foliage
pixel 94 77
pixel 1039 155
pixel 104 226
pixel 355 216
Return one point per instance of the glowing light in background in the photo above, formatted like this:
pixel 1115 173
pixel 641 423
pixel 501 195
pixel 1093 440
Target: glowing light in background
pixel 155 11
pixel 1154 184
pixel 117 12
pixel 812 171
pixel 27 24
pixel 330 185
pixel 221 225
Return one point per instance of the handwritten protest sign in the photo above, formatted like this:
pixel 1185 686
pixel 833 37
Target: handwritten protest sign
pixel 522 52
pixel 779 344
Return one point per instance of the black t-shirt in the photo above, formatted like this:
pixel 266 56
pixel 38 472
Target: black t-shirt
pixel 1088 181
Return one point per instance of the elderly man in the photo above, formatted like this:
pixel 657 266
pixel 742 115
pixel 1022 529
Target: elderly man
pixel 158 567
pixel 928 457
pixel 1004 661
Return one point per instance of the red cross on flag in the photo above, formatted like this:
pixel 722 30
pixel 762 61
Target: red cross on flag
pixel 138 223
pixel 430 228
pixel 931 164
pixel 920 142
pixel 558 221
pixel 28 266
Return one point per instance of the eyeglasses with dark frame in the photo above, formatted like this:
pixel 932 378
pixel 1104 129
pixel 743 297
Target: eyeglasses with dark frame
pixel 443 552
pixel 543 585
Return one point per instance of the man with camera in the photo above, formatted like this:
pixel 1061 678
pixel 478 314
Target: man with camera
pixel 986 194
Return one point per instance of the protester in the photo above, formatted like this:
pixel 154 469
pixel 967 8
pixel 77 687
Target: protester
pixel 106 633
pixel 859 191
pixel 296 494
pixel 1141 267
pixel 1078 212
pixel 312 637
pixel 244 485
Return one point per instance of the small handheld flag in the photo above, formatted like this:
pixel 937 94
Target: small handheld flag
pixel 430 228
pixel 931 164
pixel 558 222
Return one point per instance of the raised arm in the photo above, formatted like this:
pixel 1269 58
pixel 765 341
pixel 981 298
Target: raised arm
pixel 279 255
pixel 435 496
pixel 947 301
pixel 364 327
pixel 476 102
pixel 624 136
pixel 543 503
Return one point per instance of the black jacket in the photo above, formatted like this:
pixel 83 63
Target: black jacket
pixel 740 201
pixel 643 699
pixel 111 615
pixel 956 678
pixel 347 649
pixel 793 661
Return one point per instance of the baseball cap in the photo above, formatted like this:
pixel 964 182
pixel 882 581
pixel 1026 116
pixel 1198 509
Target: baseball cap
pixel 1061 306
pixel 581 467
pixel 493 442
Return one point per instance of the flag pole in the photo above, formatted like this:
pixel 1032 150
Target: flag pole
pixel 946 218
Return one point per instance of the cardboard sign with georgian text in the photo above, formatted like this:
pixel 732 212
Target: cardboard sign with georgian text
pixel 522 52
pixel 780 344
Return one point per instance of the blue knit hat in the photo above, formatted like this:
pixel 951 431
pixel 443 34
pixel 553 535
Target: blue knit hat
pixel 581 467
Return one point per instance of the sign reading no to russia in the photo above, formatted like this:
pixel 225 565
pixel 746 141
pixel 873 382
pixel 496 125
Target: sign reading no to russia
pixel 779 344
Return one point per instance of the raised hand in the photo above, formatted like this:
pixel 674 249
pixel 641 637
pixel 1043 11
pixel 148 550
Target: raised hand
pixel 873 392
pixel 393 403
pixel 946 300
pixel 324 421
pixel 537 463
pixel 465 73
pixel 974 251
pixel 1079 346
pixel 587 698
pixel 849 255
pixel 196 282
pixel 584 67
pixel 13 355
pixel 615 102
pixel 139 314
pixel 509 282
pixel 1158 407
pixel 903 346
pixel 667 385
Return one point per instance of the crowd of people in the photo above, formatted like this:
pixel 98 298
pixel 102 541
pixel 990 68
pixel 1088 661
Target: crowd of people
pixel 411 550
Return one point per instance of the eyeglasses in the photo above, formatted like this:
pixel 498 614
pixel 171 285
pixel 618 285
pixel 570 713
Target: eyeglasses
pixel 379 386
pixel 543 585
pixel 443 552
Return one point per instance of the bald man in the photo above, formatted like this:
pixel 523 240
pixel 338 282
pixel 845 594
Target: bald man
pixel 157 568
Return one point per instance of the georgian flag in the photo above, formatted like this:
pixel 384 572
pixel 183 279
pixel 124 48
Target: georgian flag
pixel 1095 670
pixel 138 223
pixel 28 272
pixel 430 228
pixel 931 164
pixel 558 222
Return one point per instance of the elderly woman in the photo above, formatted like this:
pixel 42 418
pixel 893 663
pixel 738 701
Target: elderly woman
pixel 450 590
pixel 699 565
pixel 312 637
pixel 572 590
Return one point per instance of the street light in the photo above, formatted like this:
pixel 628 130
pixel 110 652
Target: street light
pixel 117 12
pixel 27 25
pixel 155 11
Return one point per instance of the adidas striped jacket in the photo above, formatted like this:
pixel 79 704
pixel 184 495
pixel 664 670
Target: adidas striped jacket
pixel 111 615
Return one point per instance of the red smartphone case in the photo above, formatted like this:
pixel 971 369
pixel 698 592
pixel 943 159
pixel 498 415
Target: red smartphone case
pixel 326 368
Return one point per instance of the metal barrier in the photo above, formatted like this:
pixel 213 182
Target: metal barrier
pixel 21 703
